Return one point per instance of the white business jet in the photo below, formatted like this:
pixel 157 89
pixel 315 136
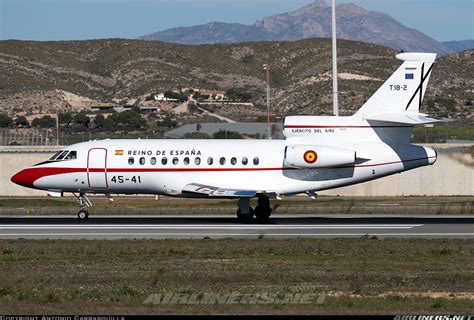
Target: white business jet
pixel 319 153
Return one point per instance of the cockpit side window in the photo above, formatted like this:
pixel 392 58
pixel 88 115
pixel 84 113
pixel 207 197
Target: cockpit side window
pixel 71 155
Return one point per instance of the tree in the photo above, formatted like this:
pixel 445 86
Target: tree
pixel 5 121
pixel 82 119
pixel 129 119
pixel 21 122
pixel 226 134
pixel 65 118
pixel 44 122
pixel 192 107
pixel 173 95
pixel 238 94
pixel 109 123
pixel 167 122
pixel 196 135
pixel 99 121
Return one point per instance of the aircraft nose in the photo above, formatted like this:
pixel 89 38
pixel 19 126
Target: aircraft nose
pixel 24 178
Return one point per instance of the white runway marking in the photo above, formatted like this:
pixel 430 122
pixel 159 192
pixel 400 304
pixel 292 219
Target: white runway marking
pixel 207 227
pixel 233 234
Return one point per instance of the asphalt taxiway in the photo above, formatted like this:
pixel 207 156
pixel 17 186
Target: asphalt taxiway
pixel 212 226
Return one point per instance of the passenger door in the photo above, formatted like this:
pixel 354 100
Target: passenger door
pixel 97 168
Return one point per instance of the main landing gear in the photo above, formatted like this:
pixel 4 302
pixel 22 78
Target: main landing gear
pixel 84 203
pixel 262 211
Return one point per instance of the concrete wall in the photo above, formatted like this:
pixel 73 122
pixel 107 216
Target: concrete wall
pixel 452 174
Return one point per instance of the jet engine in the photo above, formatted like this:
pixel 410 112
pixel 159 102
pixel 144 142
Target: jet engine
pixel 313 156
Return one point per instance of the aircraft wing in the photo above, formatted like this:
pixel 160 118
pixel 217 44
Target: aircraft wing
pixel 406 117
pixel 210 191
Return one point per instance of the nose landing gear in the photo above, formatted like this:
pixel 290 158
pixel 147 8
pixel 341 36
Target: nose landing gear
pixel 84 203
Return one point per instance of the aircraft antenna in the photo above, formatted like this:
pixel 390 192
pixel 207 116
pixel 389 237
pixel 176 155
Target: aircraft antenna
pixel 335 103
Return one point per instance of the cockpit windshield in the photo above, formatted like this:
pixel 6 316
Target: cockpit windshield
pixel 64 155
pixel 56 155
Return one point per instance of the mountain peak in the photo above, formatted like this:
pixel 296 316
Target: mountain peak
pixel 351 8
pixel 311 21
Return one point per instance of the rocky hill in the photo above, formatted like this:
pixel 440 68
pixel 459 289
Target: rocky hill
pixel 35 75
pixel 311 21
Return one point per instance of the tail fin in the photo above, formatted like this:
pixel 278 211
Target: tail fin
pixel 404 90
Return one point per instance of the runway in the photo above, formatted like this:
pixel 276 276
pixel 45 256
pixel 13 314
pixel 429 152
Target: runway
pixel 212 226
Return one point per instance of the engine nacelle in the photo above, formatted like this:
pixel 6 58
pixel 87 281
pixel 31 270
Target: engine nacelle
pixel 313 156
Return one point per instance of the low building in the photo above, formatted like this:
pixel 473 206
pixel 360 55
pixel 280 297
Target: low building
pixel 161 97
pixel 150 109
pixel 212 94
pixel 103 108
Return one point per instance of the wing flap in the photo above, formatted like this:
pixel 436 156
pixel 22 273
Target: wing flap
pixel 211 191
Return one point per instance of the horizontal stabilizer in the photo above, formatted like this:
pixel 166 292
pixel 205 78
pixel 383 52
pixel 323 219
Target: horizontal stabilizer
pixel 406 117
pixel 417 56
pixel 210 191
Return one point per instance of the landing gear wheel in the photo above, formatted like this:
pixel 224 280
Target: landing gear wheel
pixel 262 213
pixel 245 217
pixel 84 203
pixel 263 209
pixel 83 215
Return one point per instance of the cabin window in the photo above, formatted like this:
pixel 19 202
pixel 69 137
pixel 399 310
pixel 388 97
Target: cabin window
pixel 164 160
pixel 71 155
pixel 175 161
pixel 233 161
pixel 245 161
pixel 186 161
pixel 197 161
pixel 210 161
pixel 222 161
pixel 142 160
pixel 131 160
pixel 153 161
pixel 256 161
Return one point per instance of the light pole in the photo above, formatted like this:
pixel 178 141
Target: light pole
pixel 57 129
pixel 335 104
pixel 267 68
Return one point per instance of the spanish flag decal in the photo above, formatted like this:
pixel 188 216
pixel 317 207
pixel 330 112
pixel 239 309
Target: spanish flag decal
pixel 310 156
pixel 119 152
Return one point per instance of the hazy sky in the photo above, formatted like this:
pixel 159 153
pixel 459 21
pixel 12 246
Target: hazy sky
pixel 90 19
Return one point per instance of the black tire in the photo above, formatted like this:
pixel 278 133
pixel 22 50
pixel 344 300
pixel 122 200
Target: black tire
pixel 83 214
pixel 263 213
pixel 245 217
